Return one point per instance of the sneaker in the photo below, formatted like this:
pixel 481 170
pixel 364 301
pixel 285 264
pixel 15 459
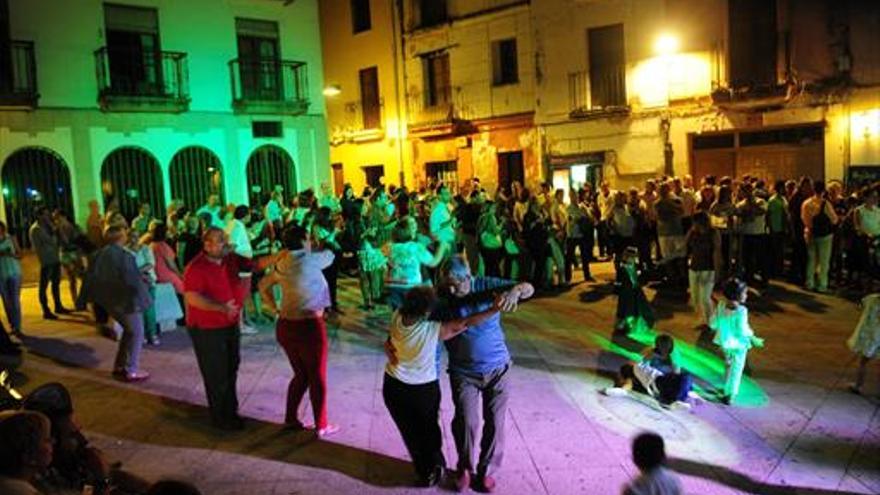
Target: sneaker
pixel 62 311
pixel 855 389
pixel 484 484
pixel 48 315
pixel 154 341
pixel 615 391
pixel 249 330
pixel 137 376
pixel 295 426
pixel 680 406
pixel 327 431
pixel 433 478
pixel 462 480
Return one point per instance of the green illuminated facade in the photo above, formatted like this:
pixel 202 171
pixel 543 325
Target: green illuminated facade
pixel 154 100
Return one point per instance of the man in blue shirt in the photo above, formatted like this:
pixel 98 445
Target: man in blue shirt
pixel 478 365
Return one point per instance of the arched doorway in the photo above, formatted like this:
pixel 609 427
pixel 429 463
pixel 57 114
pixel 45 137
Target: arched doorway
pixel 34 177
pixel 267 167
pixel 195 173
pixel 132 176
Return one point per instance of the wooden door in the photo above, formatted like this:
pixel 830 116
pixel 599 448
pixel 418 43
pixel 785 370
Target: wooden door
pixel 370 106
pixel 338 180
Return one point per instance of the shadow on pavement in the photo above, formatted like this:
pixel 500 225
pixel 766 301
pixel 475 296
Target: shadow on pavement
pixel 743 482
pixel 185 425
pixel 61 351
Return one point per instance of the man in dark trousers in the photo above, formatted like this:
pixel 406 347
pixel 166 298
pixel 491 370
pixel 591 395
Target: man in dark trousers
pixel 44 240
pixel 115 283
pixel 214 299
pixel 478 369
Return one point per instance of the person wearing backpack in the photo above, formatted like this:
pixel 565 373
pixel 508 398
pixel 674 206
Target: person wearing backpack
pixel 819 220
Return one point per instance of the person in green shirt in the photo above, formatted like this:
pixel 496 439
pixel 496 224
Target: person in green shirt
pixel 777 226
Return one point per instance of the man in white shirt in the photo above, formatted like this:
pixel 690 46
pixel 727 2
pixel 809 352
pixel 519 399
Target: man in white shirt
pixel 867 225
pixel 141 223
pixel 329 199
pixel 212 208
pixel 752 213
pixel 604 201
pixel 441 223
pixel 237 233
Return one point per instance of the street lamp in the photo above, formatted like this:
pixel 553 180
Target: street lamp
pixel 666 44
pixel 332 90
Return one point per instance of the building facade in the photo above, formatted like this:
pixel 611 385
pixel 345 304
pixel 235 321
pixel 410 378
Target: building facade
pixel 621 90
pixel 774 89
pixel 153 100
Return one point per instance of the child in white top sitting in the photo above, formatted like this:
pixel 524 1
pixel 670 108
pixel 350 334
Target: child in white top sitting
pixel 734 335
pixel 865 340
pixel 649 455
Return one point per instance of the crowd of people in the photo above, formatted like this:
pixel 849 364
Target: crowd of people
pixel 447 260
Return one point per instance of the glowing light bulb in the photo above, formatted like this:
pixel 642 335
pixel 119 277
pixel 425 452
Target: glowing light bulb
pixel 666 44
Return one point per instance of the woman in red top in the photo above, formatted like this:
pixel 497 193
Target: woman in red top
pixel 166 264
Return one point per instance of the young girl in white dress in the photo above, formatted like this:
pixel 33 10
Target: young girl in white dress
pixel 734 335
pixel 865 340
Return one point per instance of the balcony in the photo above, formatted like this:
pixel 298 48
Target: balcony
pixel 18 76
pixel 599 96
pixel 444 112
pixel 358 123
pixel 269 86
pixel 133 80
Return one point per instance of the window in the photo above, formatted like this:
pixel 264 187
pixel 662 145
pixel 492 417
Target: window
pixel 432 12
pixel 370 104
pixel 510 168
pixel 504 63
pixel 374 174
pixel 5 53
pixel 360 16
pixel 607 66
pixel 752 42
pixel 266 129
pixel 259 59
pixel 445 172
pixel 436 70
pixel 133 54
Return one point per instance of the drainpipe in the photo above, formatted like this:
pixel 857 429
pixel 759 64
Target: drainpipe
pixel 397 23
pixel 665 125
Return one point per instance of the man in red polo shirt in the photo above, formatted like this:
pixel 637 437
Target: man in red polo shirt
pixel 213 303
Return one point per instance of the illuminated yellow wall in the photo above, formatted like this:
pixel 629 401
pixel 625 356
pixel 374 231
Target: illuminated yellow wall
pixel 345 54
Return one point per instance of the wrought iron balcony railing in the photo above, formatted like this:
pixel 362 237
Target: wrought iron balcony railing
pixel 601 93
pixel 359 122
pixel 269 85
pixel 442 107
pixel 130 78
pixel 18 74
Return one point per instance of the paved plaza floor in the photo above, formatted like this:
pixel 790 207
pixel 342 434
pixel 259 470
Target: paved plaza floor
pixel 796 430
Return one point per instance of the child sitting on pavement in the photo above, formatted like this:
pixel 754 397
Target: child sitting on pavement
pixel 656 375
